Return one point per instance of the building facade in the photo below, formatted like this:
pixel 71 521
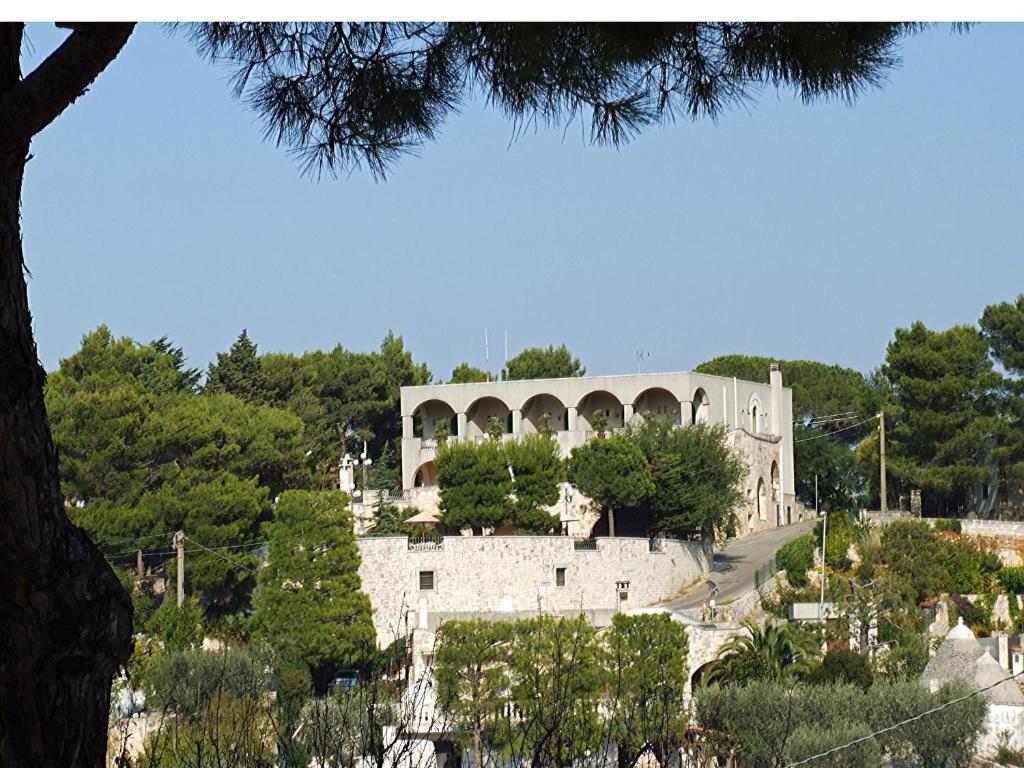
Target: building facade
pixel 758 417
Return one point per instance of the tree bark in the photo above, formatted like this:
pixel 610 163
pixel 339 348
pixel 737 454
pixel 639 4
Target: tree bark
pixel 66 621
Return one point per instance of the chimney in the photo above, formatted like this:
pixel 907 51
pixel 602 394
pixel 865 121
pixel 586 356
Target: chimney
pixel 1004 651
pixel 775 408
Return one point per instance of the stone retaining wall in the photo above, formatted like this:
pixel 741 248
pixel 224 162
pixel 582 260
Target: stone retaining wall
pixel 514 576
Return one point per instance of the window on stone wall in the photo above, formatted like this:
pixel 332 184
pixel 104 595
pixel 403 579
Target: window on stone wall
pixel 559 577
pixel 426 580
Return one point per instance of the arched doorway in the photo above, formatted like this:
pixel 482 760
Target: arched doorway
pixel 426 475
pixel 657 403
pixel 480 413
pixel 544 413
pixel 777 496
pixel 602 401
pixel 762 500
pixel 700 408
pixel 434 419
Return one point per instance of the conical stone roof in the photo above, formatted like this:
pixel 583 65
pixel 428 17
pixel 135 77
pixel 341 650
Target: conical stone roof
pixel 988 672
pixel 955 658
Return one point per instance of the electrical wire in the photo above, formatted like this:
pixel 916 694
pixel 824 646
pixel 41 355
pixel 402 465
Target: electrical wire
pixel 828 434
pixel 222 557
pixel 136 538
pixel 900 724
pixel 827 417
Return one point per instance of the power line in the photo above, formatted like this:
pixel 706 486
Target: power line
pixel 828 434
pixel 134 553
pixel 900 724
pixel 222 557
pixel 136 538
pixel 827 417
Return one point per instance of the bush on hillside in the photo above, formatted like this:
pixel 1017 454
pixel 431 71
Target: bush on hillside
pixel 1012 580
pixel 796 557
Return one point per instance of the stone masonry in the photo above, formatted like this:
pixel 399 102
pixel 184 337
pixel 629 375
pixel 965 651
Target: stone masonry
pixel 518 576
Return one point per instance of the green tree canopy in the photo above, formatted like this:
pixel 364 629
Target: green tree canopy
pixel 474 484
pixel 471 671
pixel 614 473
pixel 696 476
pixel 344 397
pixel 1002 326
pixel 912 551
pixel 647 677
pixel 765 652
pixel 238 372
pixel 104 363
pixel 464 373
pixel 943 387
pixel 540 363
pixel 537 466
pixel 310 606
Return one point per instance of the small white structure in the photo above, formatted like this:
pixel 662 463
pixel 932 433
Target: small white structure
pixel 961 657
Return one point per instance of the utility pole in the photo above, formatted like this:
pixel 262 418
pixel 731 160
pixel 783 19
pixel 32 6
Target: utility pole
pixel 824 527
pixel 138 564
pixel 179 544
pixel 883 493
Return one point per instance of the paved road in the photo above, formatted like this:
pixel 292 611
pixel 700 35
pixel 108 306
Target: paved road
pixel 735 565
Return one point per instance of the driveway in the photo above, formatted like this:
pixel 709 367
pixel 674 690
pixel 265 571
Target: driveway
pixel 735 565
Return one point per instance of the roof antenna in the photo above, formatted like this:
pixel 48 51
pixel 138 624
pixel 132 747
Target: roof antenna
pixel 487 350
pixel 641 355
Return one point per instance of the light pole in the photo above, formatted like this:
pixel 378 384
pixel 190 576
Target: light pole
pixel 567 496
pixel 365 461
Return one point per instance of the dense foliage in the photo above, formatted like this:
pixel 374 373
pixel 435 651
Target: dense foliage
pixel 540 363
pixel 614 473
pixel 696 477
pixel 764 652
pixel 943 387
pixel 575 692
pixel 796 558
pixel 309 606
pixel 767 723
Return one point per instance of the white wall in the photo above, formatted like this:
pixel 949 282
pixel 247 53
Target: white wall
pixel 516 575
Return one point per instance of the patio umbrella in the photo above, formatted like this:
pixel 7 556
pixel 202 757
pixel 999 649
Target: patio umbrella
pixel 424 519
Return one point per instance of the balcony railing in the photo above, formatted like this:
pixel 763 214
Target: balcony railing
pixel 425 545
pixel 585 545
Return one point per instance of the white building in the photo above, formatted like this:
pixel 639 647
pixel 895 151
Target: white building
pixel 962 657
pixel 759 419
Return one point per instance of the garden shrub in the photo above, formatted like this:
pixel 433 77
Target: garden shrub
pixel 1012 580
pixel 796 557
pixel 947 525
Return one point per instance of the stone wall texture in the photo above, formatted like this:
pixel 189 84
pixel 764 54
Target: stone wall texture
pixel 516 576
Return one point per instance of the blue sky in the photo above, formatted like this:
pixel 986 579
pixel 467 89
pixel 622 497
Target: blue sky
pixel 154 205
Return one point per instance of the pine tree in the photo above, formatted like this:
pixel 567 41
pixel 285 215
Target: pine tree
pixel 310 607
pixel 239 372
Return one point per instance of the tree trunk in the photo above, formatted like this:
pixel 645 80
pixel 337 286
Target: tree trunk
pixel 611 523
pixel 66 621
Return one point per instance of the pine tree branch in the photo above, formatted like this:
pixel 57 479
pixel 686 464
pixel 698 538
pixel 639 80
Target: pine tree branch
pixel 32 104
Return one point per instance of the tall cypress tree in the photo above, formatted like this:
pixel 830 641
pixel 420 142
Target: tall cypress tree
pixel 239 372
